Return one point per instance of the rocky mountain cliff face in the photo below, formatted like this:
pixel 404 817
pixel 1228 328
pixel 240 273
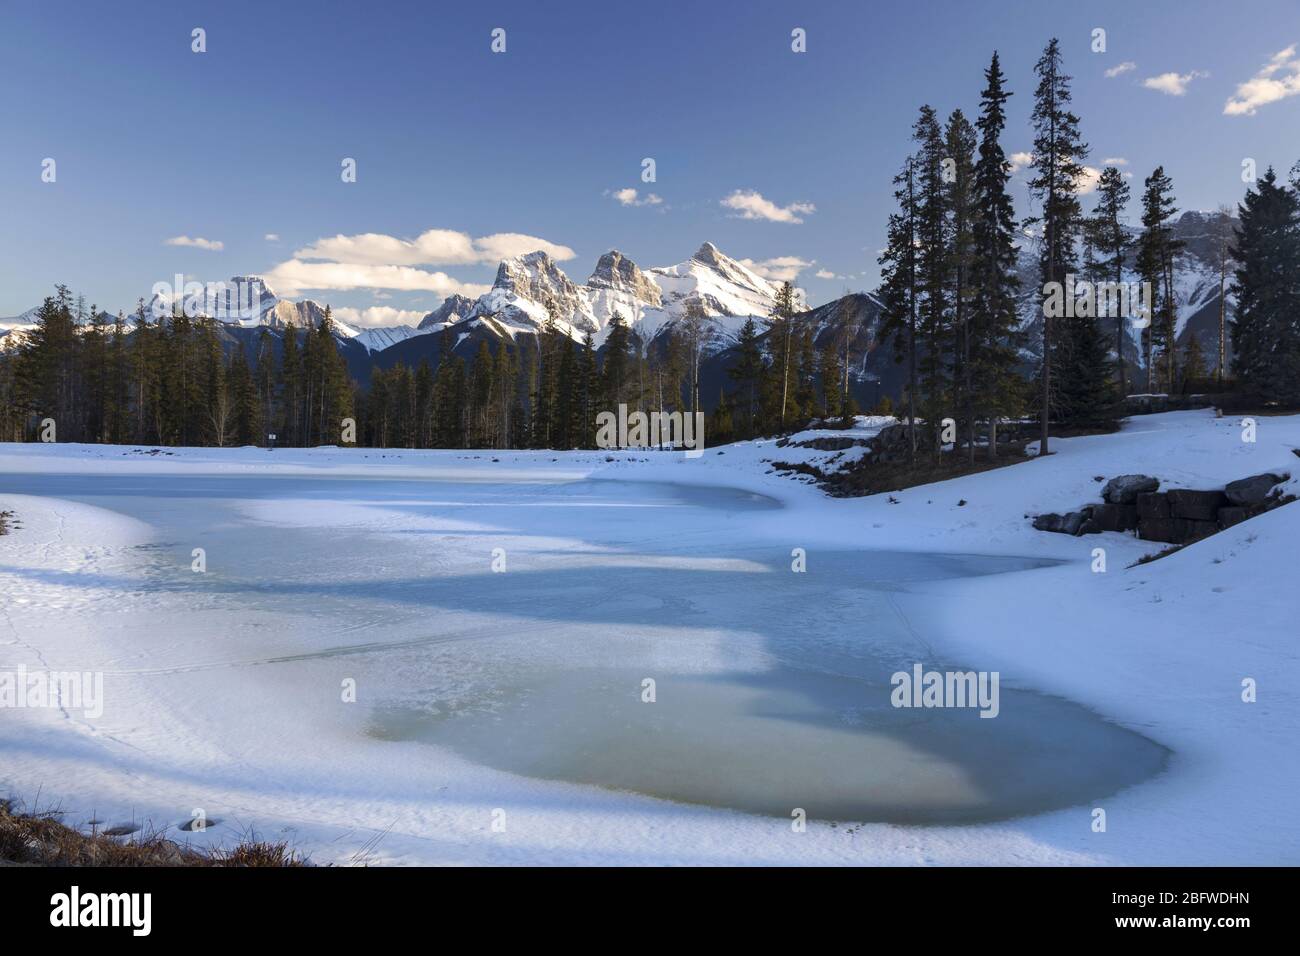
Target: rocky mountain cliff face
pixel 1196 289
pixel 531 290
pixel 616 273
pixel 452 310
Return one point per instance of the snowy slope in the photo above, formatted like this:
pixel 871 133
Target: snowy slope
pixel 1160 648
pixel 377 338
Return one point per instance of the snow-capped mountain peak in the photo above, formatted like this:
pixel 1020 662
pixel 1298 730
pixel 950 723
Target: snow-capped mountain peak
pixel 616 272
pixel 531 289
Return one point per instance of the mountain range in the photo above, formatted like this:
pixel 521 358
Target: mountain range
pixel 531 288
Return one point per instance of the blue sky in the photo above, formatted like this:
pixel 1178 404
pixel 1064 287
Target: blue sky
pixel 154 142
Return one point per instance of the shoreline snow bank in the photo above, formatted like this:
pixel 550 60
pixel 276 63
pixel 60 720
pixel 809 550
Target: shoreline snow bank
pixel 1160 648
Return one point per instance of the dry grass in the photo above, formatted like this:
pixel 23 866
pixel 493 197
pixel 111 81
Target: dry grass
pixel 5 518
pixel 40 839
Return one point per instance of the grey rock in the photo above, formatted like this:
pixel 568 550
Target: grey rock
pixel 615 271
pixel 1124 489
pixel 1252 490
pixel 1069 523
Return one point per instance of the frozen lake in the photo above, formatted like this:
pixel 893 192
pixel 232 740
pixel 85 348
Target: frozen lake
pixel 772 688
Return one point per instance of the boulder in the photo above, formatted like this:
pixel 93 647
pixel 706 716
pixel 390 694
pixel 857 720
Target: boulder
pixel 1110 517
pixel 1252 490
pixel 1233 514
pixel 1125 489
pixel 1070 523
pixel 1196 505
pixel 1152 504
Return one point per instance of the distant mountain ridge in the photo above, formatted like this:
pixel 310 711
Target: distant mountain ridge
pixel 530 290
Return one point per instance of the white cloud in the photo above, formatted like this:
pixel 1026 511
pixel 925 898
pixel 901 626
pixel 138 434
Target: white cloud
pixel 1019 161
pixel 1278 79
pixel 198 242
pixel 293 277
pixel 1088 180
pixel 272 237
pixel 1126 67
pixel 749 204
pixel 1114 161
pixel 825 274
pixel 505 245
pixel 378 315
pixel 630 197
pixel 375 261
pixel 778 269
pixel 1174 84
pixel 434 247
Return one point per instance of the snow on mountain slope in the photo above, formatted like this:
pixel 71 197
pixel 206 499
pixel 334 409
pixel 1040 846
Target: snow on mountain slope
pixel 26 320
pixel 1196 279
pixel 246 301
pixel 527 291
pixel 14 330
pixel 380 337
pixel 530 288
pixel 453 308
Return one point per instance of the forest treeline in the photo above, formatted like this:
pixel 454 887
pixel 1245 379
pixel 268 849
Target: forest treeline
pixel 952 318
pixel 951 290
pixel 169 381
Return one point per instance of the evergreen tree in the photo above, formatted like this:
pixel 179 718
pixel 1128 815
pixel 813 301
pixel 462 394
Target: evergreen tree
pixel 781 344
pixel 1058 156
pixel 1105 230
pixel 746 372
pixel 244 399
pixel 217 400
pixel 615 366
pixel 1155 262
pixel 899 289
pixel 960 143
pixel 932 271
pixel 829 370
pixel 1193 367
pixel 1266 283
pixel 994 323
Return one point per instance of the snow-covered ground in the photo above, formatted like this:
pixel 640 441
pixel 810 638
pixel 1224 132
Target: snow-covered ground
pixel 222 689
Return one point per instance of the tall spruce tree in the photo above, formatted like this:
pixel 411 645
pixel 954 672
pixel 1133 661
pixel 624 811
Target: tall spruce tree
pixel 932 271
pixel 899 288
pixel 1266 284
pixel 960 143
pixel 1109 238
pixel 1155 261
pixel 747 371
pixel 993 319
pixel 1058 156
